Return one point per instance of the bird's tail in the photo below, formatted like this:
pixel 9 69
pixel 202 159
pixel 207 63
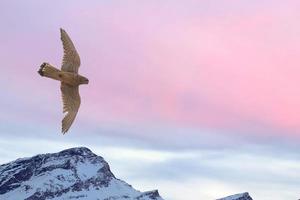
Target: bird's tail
pixel 49 71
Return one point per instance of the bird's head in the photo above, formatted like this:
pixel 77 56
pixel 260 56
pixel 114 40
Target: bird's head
pixel 83 80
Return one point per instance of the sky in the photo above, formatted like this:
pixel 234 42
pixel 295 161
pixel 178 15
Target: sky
pixel 198 99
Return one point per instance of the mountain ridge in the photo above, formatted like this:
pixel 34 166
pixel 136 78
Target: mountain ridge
pixel 75 173
pixel 240 196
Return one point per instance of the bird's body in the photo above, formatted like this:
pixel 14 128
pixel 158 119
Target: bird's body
pixel 69 78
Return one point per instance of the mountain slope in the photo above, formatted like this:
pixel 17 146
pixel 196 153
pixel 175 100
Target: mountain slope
pixel 75 173
pixel 242 196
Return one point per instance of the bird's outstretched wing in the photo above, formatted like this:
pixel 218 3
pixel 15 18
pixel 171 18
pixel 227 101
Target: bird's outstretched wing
pixel 71 104
pixel 71 59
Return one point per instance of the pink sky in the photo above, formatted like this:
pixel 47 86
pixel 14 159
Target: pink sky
pixel 217 70
pixel 208 65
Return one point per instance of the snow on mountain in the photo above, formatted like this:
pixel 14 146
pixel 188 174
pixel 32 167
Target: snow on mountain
pixel 75 173
pixel 242 196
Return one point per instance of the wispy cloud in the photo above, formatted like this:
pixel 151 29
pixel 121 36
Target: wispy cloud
pixel 203 173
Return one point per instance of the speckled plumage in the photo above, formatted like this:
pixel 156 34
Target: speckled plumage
pixel 69 78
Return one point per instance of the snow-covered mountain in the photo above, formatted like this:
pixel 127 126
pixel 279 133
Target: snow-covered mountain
pixel 75 173
pixel 242 196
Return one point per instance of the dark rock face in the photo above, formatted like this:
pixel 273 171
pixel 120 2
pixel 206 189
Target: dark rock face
pixel 151 195
pixel 75 173
pixel 242 196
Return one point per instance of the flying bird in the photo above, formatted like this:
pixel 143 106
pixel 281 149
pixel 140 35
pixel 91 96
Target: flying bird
pixel 69 78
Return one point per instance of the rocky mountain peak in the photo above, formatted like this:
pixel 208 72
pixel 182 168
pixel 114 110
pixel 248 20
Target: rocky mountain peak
pixel 69 174
pixel 241 196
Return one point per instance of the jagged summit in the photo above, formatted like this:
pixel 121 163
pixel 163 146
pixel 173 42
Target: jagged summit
pixel 75 173
pixel 78 151
pixel 241 196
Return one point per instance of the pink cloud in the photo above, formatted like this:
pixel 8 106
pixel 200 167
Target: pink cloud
pixel 239 68
pixel 211 67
